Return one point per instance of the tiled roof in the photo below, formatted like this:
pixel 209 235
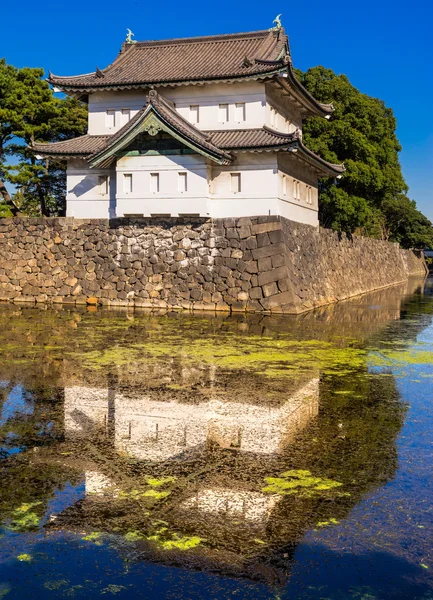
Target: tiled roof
pixel 79 146
pixel 100 149
pixel 268 139
pixel 236 139
pixel 218 57
pixel 330 169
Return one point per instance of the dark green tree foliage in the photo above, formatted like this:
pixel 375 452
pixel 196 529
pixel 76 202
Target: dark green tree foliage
pixel 29 112
pixel 370 198
pixel 7 74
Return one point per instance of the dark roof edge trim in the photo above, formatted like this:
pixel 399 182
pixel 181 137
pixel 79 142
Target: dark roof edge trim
pixel 318 108
pixel 175 83
pixel 329 169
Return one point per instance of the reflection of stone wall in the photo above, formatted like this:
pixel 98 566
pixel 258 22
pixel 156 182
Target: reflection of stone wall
pixel 157 430
pixel 262 263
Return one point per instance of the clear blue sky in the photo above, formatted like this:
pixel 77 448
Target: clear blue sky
pixel 384 47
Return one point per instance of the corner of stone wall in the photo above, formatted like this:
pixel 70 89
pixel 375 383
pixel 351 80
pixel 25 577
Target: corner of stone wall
pixel 249 251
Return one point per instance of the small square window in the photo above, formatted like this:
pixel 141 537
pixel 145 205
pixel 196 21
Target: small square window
pixel 223 113
pixel 235 182
pixel 110 119
pixel 182 182
pixel 103 185
pixel 194 113
pixel 127 183
pixel 154 183
pixel 125 115
pixel 272 116
pixel 240 112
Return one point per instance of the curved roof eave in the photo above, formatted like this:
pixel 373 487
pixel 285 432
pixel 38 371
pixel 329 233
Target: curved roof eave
pixel 328 169
pixel 313 106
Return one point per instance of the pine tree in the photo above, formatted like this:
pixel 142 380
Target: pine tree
pixel 30 112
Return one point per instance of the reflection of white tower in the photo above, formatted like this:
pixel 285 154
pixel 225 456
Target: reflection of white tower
pixel 253 507
pixel 260 428
pixel 86 410
pixel 155 430
pixel 96 483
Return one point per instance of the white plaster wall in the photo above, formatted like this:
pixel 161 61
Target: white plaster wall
pixel 288 117
pixel 83 197
pixel 208 97
pixel 295 212
pixel 305 209
pixel 100 102
pixel 169 200
pixel 208 188
pixel 259 187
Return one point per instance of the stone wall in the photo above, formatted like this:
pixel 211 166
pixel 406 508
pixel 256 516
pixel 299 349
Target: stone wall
pixel 253 264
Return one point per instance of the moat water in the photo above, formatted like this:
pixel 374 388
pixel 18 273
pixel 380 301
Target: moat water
pixel 200 456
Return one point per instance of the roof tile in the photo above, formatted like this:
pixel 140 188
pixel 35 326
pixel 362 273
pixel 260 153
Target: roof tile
pixel 187 59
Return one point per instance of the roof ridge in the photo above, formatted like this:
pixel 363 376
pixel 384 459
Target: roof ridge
pixel 200 38
pixel 267 44
pixel 211 131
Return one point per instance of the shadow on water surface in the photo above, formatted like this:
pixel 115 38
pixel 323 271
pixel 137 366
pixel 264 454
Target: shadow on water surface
pixel 198 450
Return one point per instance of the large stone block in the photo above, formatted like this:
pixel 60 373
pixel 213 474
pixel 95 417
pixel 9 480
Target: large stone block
pixel 272 275
pixel 265 227
pixel 276 300
pixel 270 250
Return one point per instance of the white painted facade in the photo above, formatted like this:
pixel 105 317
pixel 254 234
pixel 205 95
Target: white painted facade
pixel 255 183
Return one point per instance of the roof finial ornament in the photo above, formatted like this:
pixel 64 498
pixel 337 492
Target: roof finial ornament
pixel 129 36
pixel 278 24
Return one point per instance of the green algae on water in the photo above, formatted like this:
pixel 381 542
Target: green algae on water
pixel 299 482
pixel 331 521
pixel 155 494
pixel 160 482
pixel 267 355
pixel 133 536
pixel 181 543
pixel 24 557
pixel 23 519
pixel 94 536
pixel 177 542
